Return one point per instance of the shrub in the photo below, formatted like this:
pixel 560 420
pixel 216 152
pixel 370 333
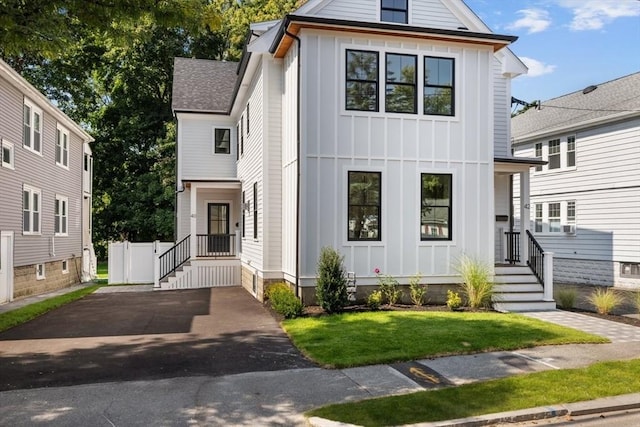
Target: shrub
pixel 636 301
pixel 284 301
pixel 275 288
pixel 388 287
pixel 477 286
pixel 374 300
pixel 453 300
pixel 567 298
pixel 604 300
pixel 417 290
pixel 331 287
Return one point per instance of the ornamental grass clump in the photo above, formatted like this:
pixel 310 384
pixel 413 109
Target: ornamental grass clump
pixel 604 300
pixel 567 298
pixel 331 286
pixel 416 290
pixel 477 287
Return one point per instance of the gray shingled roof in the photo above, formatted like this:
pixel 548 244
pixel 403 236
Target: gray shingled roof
pixel 203 85
pixel 610 101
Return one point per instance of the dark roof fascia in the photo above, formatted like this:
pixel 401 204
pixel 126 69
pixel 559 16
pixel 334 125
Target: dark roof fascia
pixel 223 181
pixel 242 69
pixel 383 26
pixel 213 113
pixel 519 160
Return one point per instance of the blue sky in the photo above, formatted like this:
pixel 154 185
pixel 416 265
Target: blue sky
pixel 567 44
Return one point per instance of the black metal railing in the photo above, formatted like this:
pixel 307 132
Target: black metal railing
pixel 536 257
pixel 175 257
pixel 216 245
pixel 513 247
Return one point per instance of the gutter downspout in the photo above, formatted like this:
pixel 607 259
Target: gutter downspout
pixel 298 119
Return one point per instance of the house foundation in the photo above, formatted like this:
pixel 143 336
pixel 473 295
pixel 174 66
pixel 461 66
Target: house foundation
pixel 27 283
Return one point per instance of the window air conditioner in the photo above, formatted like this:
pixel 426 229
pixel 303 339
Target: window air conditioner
pixel 569 229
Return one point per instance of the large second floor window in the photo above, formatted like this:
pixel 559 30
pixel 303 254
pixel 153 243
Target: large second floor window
pixel 362 80
pixel 439 89
pixel 571 151
pixel 32 127
pixel 394 11
pixel 401 83
pixel 62 147
pixel 435 207
pixel 363 216
pixel 31 198
pixel 554 154
pixel 222 143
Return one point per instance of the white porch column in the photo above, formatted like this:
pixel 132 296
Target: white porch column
pixel 548 276
pixel 525 216
pixel 193 219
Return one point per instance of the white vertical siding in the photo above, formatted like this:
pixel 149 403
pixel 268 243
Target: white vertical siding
pixel 606 187
pixel 502 113
pixel 400 147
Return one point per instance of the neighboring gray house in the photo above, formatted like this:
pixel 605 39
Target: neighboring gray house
pixel 585 203
pixel 45 193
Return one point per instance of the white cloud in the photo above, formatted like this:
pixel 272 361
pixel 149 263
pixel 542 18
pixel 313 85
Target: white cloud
pixel 537 68
pixel 595 14
pixel 533 20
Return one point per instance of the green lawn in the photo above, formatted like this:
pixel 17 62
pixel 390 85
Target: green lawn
pixel 357 339
pixel 102 272
pixel 31 311
pixel 507 394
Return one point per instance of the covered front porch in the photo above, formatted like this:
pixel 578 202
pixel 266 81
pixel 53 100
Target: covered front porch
pixel 207 252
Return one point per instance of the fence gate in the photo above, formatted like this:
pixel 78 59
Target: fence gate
pixel 133 262
pixel 6 267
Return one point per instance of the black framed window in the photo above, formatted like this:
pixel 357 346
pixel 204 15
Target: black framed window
pixel 394 11
pixel 238 141
pixel 241 136
pixel 439 88
pixel 244 215
pixel 362 80
pixel 248 118
pixel 255 210
pixel 222 143
pixel 401 83
pixel 435 207
pixel 364 205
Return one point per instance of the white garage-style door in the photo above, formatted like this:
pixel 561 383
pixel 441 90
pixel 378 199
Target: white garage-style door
pixel 6 267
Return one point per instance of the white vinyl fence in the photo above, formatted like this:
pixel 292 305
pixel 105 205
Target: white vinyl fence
pixel 134 262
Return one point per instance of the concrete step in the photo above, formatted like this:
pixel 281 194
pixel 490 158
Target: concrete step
pixel 523 306
pixel 518 287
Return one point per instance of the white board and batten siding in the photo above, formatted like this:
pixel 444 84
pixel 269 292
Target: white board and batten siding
pixel 423 13
pixel 401 147
pixel 40 172
pixel 502 112
pixel 605 184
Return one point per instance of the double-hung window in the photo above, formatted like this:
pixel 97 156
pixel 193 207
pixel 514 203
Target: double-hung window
pixel 244 214
pixel 362 80
pixel 32 127
pixel 435 207
pixel 363 216
pixel 538 155
pixel 222 143
pixel 439 90
pixel 394 11
pixel 7 154
pixel 554 154
pixel 62 147
pixel 401 83
pixel 554 218
pixel 61 219
pixel 31 201
pixel 538 224
pixel 241 136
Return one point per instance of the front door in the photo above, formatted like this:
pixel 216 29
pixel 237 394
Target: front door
pixel 219 240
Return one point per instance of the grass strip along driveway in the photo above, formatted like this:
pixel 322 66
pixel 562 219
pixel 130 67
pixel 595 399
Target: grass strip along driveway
pixel 357 339
pixel 507 394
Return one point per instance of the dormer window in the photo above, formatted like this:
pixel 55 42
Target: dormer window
pixel 394 11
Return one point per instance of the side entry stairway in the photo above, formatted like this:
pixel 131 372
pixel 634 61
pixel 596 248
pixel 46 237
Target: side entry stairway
pixel 517 289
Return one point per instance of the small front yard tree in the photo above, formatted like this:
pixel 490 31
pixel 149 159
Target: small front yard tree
pixel 331 287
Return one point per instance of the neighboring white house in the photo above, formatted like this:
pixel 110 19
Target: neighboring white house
pixel 45 193
pixel 585 203
pixel 378 128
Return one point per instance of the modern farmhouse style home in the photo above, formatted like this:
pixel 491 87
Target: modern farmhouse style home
pixel 45 193
pixel 379 128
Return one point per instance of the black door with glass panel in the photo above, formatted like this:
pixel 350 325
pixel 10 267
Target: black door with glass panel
pixel 218 228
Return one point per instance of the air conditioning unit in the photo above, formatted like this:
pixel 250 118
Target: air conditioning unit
pixel 569 229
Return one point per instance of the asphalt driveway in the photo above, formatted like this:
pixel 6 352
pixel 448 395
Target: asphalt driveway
pixel 146 335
